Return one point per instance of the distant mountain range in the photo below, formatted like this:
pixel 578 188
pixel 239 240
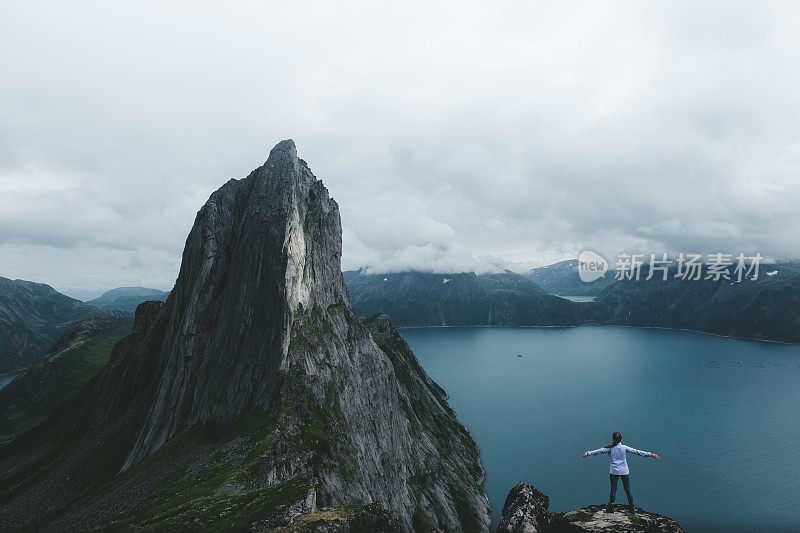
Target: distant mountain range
pixel 425 299
pixel 32 317
pixel 127 298
pixel 765 309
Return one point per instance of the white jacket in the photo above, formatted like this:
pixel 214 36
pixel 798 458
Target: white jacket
pixel 619 466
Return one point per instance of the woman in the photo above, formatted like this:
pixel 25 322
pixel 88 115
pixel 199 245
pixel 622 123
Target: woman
pixel 619 466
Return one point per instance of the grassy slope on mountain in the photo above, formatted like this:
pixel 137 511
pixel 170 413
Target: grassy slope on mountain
pixel 78 355
pixel 32 317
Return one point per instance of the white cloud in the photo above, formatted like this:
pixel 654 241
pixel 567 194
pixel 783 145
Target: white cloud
pixel 448 132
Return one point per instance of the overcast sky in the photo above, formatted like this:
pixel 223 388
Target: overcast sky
pixel 455 136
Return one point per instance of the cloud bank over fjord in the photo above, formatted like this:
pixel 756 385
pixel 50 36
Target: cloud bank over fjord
pixel 503 135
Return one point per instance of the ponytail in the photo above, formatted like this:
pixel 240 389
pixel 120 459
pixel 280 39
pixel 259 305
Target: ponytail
pixel 616 437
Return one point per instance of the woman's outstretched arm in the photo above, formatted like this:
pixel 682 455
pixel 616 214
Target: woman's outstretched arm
pixel 595 452
pixel 640 452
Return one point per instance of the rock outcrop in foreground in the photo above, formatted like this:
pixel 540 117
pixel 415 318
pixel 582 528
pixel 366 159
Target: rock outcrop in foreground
pixel 253 398
pixel 526 511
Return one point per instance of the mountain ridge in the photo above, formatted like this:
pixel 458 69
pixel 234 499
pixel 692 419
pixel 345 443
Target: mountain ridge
pixel 466 299
pixel 76 357
pixel 127 298
pixel 32 317
pixel 764 309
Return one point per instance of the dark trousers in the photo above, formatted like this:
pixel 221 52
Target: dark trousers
pixel 625 484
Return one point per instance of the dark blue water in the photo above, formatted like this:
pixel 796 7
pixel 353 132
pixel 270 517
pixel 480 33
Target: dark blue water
pixel 723 414
pixel 5 379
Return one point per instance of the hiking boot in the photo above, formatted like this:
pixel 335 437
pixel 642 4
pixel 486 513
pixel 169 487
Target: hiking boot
pixel 631 509
pixel 610 507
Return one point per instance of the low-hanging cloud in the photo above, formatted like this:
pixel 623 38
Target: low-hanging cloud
pixel 454 136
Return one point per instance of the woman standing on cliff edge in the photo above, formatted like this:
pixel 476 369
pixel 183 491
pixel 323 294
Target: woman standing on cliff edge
pixel 619 465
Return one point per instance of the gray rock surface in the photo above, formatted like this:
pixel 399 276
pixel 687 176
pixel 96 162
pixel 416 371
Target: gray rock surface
pixel 526 511
pixel 257 348
pixel 596 518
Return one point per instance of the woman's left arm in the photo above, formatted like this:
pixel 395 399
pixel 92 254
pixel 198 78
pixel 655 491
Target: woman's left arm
pixel 640 452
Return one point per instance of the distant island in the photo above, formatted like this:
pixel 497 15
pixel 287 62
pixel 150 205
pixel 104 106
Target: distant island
pixel 127 298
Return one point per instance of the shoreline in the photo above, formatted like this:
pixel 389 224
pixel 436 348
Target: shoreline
pixel 615 326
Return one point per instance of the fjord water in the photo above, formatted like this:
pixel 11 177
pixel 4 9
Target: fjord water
pixel 724 415
pixel 5 379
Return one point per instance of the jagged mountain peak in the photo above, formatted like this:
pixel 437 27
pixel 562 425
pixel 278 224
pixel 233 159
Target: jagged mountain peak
pixel 261 249
pixel 257 348
pixel 259 319
pixel 285 150
pixel 283 167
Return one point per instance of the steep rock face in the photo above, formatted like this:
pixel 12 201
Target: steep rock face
pixel 525 511
pixel 257 386
pixel 261 250
pixel 445 458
